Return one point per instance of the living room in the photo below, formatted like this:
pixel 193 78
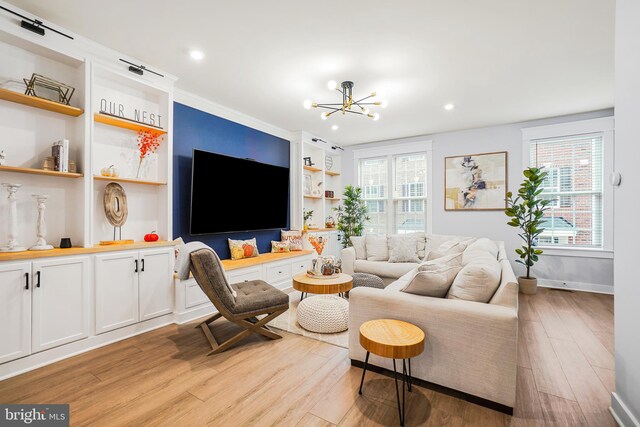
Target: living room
pixel 319 214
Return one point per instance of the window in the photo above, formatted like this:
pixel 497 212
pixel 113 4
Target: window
pixel 373 180
pixel 406 174
pixel 574 158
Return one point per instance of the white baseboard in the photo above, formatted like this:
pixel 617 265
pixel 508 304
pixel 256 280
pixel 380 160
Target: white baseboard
pixel 576 286
pixel 621 412
pixel 38 360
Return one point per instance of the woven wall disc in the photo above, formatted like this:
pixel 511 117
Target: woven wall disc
pixel 115 204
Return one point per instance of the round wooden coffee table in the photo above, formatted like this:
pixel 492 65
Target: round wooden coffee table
pixel 335 285
pixel 394 339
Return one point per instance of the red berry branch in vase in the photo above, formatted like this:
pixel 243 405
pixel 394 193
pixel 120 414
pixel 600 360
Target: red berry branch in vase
pixel 148 143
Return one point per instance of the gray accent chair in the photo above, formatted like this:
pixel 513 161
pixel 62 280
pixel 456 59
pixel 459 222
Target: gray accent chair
pixel 254 298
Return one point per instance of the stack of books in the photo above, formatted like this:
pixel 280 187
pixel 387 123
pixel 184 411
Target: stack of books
pixel 60 154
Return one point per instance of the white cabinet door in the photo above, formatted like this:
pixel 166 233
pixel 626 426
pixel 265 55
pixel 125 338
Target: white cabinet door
pixel 60 302
pixel 15 310
pixel 116 279
pixel 156 283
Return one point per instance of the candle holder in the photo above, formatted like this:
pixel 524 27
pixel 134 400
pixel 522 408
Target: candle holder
pixel 41 226
pixel 12 244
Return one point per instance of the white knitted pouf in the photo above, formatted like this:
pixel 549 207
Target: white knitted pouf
pixel 325 314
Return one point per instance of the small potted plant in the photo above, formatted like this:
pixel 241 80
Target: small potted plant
pixel 306 216
pixel 526 211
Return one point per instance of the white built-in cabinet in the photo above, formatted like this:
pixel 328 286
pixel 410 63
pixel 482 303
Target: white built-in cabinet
pixel 132 286
pixel 43 304
pixel 15 310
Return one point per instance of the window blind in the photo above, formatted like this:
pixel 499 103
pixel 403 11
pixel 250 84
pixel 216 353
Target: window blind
pixel 574 182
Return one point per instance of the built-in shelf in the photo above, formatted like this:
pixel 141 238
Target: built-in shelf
pixel 39 172
pixel 55 252
pixel 129 180
pixel 333 199
pixel 312 197
pixel 332 173
pixel 126 124
pixel 319 230
pixel 43 104
pixel 311 169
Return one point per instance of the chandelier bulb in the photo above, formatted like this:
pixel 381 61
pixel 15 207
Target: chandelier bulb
pixel 324 116
pixel 376 117
pixel 373 93
pixel 332 85
pixel 384 103
pixel 307 104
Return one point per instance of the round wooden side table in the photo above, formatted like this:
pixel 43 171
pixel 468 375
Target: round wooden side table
pixel 334 285
pixel 393 339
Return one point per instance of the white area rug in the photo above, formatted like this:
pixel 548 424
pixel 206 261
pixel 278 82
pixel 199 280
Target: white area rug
pixel 287 322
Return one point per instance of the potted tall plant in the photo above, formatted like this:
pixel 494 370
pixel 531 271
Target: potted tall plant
pixel 352 214
pixel 526 211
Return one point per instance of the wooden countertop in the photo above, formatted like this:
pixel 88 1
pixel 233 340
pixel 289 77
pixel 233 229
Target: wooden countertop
pixel 261 259
pixel 27 255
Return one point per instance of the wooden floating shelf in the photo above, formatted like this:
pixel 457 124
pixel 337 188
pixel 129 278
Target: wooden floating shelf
pixel 43 104
pixel 311 169
pixel 318 230
pixel 312 197
pixel 332 173
pixel 125 124
pixel 129 180
pixel 39 172
pixel 333 199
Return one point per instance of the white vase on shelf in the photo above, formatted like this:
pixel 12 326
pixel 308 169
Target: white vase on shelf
pixel 41 226
pixel 12 244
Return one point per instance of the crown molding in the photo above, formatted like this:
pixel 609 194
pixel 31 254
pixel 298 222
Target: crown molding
pixel 208 106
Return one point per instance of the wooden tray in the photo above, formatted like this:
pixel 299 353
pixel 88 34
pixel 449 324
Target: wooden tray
pixel 322 276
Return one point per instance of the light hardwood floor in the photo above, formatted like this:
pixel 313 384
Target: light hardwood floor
pixel 565 376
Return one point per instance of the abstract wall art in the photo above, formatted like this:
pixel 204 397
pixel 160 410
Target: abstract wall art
pixel 475 182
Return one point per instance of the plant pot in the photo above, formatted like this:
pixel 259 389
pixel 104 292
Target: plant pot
pixel 528 286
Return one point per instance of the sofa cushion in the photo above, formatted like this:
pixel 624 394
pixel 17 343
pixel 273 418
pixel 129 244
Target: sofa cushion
pixel 482 247
pixel 403 248
pixel 383 269
pixel 453 246
pixel 453 260
pixel 376 247
pixel 432 283
pixel 477 281
pixel 420 237
pixel 358 243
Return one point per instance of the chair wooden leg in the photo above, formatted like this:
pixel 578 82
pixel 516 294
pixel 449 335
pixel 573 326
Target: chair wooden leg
pixel 259 327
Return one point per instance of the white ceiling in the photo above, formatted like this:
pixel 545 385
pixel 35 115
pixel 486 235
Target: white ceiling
pixel 498 61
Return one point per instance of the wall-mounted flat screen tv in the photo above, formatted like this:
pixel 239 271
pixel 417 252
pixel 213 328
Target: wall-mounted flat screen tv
pixel 231 194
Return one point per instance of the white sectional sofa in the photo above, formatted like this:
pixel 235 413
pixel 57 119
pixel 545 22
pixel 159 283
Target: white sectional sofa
pixel 470 346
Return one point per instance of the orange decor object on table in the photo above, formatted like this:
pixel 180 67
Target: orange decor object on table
pixel 317 243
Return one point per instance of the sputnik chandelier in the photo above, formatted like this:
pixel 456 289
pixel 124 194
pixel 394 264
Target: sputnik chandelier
pixel 348 105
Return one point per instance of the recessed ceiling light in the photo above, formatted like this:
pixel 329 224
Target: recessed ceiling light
pixel 334 127
pixel 197 55
pixel 449 107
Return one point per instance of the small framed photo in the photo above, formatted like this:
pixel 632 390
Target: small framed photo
pixel 307 185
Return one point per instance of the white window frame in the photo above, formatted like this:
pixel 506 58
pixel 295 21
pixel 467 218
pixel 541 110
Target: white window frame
pixel 390 151
pixel 605 126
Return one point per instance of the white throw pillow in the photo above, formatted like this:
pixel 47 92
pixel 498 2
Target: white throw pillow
pixel 477 281
pixel 453 260
pixel 482 247
pixel 403 248
pixel 420 237
pixel 454 246
pixel 434 283
pixel 358 243
pixel 376 247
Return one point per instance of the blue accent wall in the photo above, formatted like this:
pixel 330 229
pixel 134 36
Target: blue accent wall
pixel 193 128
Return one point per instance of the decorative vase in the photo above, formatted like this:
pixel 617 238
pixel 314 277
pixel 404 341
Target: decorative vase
pixel 12 244
pixel 41 226
pixel 528 286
